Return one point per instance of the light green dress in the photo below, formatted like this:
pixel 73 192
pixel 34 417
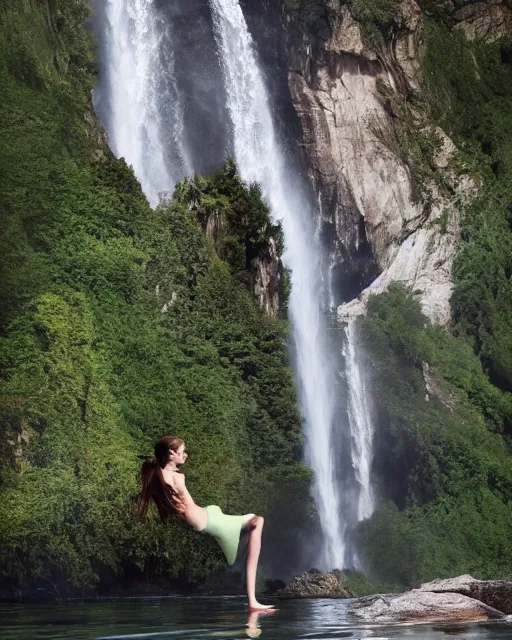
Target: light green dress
pixel 225 529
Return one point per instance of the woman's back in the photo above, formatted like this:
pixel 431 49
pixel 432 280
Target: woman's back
pixel 195 515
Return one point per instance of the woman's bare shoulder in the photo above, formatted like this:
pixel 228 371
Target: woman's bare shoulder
pixel 180 477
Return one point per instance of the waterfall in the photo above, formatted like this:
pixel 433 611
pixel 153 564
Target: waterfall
pixel 260 158
pixel 145 116
pixel 361 429
pixel 144 108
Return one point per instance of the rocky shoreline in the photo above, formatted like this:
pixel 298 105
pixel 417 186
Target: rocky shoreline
pixel 461 599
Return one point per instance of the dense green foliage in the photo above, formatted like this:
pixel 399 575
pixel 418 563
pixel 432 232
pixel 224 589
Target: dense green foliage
pixel 376 18
pixel 120 324
pixel 443 469
pixel 360 585
pixel 471 97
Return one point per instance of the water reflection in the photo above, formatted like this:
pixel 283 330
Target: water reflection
pixel 177 618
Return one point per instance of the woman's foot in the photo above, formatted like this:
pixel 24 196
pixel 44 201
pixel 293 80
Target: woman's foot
pixel 256 606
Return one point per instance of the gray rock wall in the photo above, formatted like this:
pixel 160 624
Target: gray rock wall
pixel 374 227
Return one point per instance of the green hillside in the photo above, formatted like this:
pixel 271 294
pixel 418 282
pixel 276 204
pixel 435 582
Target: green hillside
pixel 121 324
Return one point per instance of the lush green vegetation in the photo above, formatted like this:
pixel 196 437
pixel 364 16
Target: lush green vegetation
pixel 120 324
pixel 360 585
pixel 472 100
pixel 443 468
pixel 377 19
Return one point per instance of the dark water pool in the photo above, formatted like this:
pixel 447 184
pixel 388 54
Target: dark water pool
pixel 213 618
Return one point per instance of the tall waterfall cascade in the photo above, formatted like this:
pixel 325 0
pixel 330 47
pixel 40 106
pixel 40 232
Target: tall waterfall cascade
pixel 145 125
pixel 145 119
pixel 260 159
pixel 361 428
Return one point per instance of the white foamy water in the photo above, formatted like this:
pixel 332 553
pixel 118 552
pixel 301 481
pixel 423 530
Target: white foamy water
pixel 145 124
pixel 361 428
pixel 260 158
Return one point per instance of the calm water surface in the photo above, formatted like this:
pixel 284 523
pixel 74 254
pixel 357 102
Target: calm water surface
pixel 214 618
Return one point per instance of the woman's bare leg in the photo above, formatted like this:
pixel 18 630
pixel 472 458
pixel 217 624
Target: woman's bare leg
pixel 255 526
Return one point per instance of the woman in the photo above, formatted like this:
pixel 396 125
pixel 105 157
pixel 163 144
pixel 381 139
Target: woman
pixel 162 483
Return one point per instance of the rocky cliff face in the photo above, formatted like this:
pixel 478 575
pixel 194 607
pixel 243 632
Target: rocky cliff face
pixel 265 265
pixel 376 226
pixel 487 20
pixel 267 273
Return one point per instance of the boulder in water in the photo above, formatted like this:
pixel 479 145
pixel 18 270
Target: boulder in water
pixel 494 593
pixel 316 584
pixel 422 606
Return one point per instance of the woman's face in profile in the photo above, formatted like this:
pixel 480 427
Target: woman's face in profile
pixel 180 456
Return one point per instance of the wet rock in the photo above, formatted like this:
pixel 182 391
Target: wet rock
pixel 316 584
pixel 423 606
pixel 494 593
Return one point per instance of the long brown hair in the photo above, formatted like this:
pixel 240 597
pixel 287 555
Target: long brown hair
pixel 153 485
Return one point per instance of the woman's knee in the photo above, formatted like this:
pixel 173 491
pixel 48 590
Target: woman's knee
pixel 248 519
pixel 256 522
